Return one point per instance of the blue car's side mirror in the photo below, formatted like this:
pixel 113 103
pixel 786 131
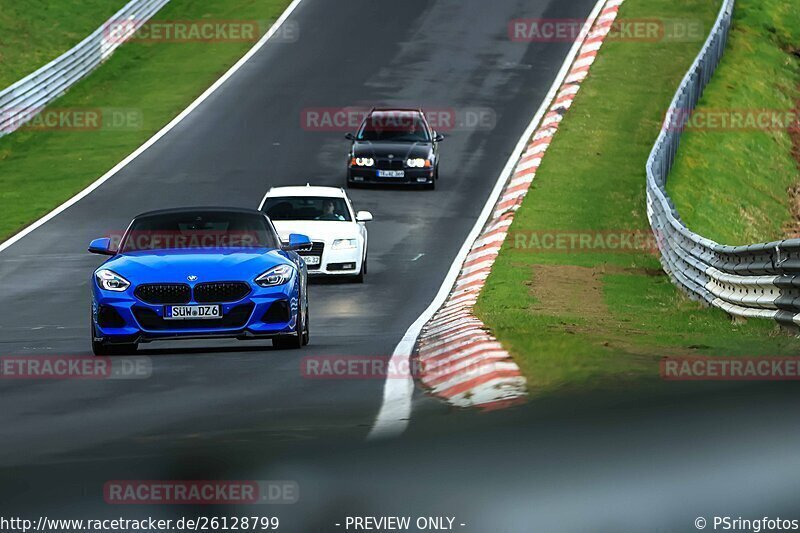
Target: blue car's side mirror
pixel 102 247
pixel 297 241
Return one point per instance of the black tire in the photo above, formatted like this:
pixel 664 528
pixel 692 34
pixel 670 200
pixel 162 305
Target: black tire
pixel 99 348
pixel 102 348
pixel 307 330
pixel 296 341
pixel 359 278
pixel 432 185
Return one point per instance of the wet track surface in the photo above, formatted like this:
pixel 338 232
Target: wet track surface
pixel 241 410
pixel 248 136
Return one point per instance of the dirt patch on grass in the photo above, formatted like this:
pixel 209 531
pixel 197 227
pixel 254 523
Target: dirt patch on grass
pixel 792 228
pixel 575 295
pixel 567 290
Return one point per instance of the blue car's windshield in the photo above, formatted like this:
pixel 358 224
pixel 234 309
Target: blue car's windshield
pixel 205 230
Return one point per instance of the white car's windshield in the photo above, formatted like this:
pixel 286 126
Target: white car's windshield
pixel 307 208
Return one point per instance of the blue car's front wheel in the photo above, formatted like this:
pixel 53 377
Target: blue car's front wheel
pixel 297 340
pixel 100 347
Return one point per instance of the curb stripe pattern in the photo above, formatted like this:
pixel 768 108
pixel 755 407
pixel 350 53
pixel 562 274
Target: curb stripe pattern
pixel 461 361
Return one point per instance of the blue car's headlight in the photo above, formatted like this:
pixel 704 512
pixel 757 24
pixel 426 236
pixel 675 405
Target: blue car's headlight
pixel 275 276
pixel 111 281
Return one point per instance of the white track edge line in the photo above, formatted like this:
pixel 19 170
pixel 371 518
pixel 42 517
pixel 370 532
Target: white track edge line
pixel 395 411
pixel 155 138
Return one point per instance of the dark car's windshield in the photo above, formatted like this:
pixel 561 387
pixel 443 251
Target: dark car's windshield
pixel 394 127
pixel 199 230
pixel 306 208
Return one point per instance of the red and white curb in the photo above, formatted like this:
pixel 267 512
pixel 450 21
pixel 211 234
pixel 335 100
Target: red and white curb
pixel 460 360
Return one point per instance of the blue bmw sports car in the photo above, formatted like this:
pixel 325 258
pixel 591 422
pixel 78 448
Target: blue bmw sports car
pixel 199 273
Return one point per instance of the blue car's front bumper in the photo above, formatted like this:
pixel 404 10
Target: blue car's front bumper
pixel 122 317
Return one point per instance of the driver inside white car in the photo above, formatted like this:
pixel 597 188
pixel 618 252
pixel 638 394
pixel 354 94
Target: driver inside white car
pixel 329 212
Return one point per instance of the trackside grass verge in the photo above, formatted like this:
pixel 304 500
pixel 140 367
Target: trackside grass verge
pixel 150 80
pixel 34 32
pixel 731 186
pixel 595 316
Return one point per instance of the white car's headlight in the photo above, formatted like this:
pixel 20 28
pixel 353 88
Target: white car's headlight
pixel 111 281
pixel 344 244
pixel 362 161
pixel 275 276
pixel 418 162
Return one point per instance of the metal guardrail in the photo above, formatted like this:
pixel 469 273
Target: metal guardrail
pixel 23 100
pixel 756 280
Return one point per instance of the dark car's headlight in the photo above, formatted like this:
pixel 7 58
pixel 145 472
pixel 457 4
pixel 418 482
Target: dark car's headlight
pixel 362 162
pixel 275 276
pixel 111 281
pixel 418 162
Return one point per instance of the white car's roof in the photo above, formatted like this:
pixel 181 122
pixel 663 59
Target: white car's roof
pixel 307 190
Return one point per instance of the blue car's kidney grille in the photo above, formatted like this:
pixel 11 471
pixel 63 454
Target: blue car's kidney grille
pixel 164 293
pixel 221 291
pixel 233 319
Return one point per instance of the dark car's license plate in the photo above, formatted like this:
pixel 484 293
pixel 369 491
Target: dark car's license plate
pixel 391 174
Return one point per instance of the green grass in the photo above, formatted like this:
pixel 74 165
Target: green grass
pixel 597 319
pixel 34 32
pixel 155 80
pixel 731 186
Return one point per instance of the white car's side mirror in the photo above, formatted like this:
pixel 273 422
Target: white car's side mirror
pixel 363 216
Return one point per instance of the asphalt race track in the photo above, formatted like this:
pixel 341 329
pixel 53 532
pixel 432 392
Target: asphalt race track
pixel 239 410
pixel 246 137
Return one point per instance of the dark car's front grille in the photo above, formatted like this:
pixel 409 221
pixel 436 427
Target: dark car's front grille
pixel 164 293
pixel 389 164
pixel 316 249
pixel 220 291
pixel 233 319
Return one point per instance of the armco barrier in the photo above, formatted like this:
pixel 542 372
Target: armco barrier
pixel 757 280
pixel 24 99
